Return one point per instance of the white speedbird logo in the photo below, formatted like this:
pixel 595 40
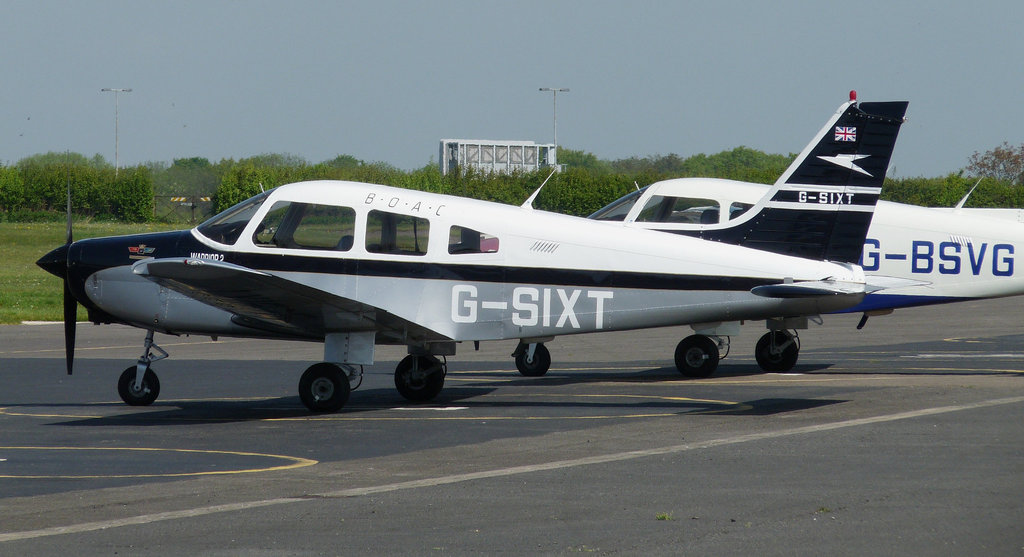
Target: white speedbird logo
pixel 847 161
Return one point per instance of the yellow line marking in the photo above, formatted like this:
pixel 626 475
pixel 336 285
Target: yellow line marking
pixel 5 412
pixel 126 347
pixel 296 462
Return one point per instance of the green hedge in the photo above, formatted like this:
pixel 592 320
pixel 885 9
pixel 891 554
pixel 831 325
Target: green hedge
pixel 36 187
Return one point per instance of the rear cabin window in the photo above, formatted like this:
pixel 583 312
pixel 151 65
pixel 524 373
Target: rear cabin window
pixel 736 209
pixel 396 234
pixel 687 210
pixel 307 226
pixel 466 240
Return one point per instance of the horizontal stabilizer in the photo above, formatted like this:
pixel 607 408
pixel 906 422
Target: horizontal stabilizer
pixel 809 289
pixel 880 282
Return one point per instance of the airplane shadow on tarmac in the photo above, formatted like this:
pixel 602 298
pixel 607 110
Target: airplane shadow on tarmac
pixel 473 396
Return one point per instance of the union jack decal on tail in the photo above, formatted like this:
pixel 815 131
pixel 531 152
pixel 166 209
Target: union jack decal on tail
pixel 846 133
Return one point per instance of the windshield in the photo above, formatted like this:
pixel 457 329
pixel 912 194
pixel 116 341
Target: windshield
pixel 618 209
pixel 226 227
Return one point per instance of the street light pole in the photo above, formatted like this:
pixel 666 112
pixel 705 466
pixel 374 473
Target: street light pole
pixel 554 112
pixel 116 146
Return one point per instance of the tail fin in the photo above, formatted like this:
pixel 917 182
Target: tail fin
pixel 821 206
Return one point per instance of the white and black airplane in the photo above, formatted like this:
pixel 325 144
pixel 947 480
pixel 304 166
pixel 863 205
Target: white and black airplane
pixel 944 254
pixel 353 265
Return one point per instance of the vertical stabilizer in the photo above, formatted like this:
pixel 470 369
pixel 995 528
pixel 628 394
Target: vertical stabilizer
pixel 821 206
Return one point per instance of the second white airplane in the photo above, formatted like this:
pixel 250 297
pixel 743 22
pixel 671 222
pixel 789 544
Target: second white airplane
pixel 943 254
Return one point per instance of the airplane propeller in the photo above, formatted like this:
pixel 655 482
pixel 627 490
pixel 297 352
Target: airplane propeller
pixel 70 303
pixel 70 318
pixel 58 263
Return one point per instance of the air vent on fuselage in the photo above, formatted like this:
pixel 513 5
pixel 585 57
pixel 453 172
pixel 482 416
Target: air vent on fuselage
pixel 544 247
pixel 961 240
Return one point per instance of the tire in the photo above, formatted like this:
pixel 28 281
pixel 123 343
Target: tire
pixel 145 396
pixel 324 387
pixel 419 378
pixel 697 356
pixel 540 364
pixel 777 361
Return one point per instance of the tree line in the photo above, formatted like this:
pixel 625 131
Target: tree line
pixel 34 188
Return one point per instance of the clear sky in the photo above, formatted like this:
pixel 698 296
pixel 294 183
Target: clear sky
pixel 385 80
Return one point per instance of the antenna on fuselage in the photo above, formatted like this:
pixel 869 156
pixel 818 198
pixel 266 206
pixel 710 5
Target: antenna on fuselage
pixel 969 192
pixel 528 204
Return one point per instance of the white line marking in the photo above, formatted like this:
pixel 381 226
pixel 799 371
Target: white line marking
pixel 499 472
pixel 951 355
pixel 433 408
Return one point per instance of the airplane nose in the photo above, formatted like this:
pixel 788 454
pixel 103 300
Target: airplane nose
pixel 55 262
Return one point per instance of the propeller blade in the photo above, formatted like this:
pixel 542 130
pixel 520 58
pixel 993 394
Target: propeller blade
pixel 70 322
pixel 70 303
pixel 69 205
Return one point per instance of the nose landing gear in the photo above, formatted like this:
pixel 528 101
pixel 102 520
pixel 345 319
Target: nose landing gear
pixel 138 384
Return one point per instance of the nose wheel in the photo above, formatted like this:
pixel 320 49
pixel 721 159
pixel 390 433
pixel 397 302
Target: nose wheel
pixel 138 384
pixel 134 393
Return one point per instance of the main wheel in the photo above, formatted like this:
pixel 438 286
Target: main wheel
pixel 324 387
pixel 419 378
pixel 777 351
pixel 697 356
pixel 144 395
pixel 536 367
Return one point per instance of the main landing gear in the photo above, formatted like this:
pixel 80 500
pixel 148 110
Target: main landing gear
pixel 420 378
pixel 325 387
pixel 777 351
pixel 698 355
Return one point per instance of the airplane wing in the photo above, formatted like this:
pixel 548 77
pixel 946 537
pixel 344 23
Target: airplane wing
pixel 264 301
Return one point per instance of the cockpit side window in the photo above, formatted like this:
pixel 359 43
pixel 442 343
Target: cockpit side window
pixel 463 240
pixel 396 234
pixel 227 226
pixel 297 225
pixel 618 209
pixel 686 210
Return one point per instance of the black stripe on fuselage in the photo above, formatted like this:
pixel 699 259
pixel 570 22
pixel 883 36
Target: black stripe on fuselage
pixel 591 278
